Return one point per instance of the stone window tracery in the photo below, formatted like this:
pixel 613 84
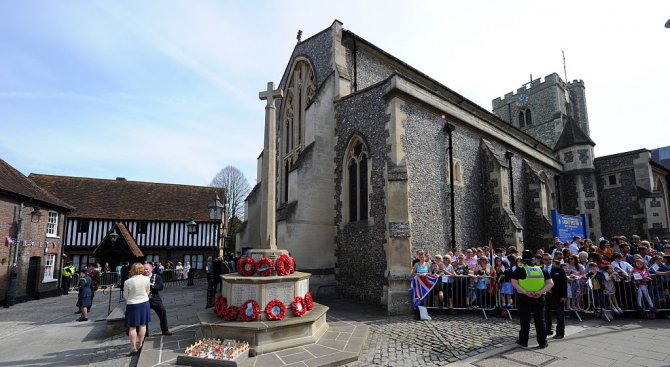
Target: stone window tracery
pixel 356 180
pixel 525 118
pixel 299 93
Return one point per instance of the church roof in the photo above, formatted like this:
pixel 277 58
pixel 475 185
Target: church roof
pixel 572 135
pixel 15 183
pixel 131 200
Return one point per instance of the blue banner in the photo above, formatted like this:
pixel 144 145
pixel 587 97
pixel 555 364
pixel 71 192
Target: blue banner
pixel 567 226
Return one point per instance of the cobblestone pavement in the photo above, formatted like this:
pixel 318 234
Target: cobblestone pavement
pixel 403 341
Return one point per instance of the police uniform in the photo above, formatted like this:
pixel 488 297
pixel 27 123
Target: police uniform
pixel 66 274
pixel 531 279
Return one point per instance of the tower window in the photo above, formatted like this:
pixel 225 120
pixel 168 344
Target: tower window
pixel 525 118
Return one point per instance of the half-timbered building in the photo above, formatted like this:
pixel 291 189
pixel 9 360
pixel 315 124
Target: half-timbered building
pixel 154 215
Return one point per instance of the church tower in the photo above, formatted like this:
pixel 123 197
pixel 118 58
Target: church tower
pixel 541 108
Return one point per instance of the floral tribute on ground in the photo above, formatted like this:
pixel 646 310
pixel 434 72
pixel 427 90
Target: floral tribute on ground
pixel 227 349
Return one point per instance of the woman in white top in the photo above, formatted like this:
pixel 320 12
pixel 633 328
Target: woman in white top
pixel 136 291
pixel 180 270
pixel 187 269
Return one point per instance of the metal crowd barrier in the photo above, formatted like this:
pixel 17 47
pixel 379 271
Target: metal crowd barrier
pixel 467 292
pixel 482 293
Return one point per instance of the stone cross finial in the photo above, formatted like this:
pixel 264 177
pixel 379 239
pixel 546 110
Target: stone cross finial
pixel 299 35
pixel 270 94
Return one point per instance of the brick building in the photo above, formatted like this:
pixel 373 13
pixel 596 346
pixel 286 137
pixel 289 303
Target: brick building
pixel 38 238
pixel 151 217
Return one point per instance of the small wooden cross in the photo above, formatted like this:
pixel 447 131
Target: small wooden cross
pixel 270 94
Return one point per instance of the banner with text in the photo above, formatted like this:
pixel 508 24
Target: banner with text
pixel 568 226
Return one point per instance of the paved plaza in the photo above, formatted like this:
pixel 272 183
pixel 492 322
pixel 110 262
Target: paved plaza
pixel 44 333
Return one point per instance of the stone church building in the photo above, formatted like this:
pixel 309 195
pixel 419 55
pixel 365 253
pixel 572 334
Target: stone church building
pixel 364 148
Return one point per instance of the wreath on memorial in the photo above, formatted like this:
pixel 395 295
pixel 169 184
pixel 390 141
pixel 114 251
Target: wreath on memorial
pixel 299 306
pixel 275 310
pixel 309 301
pixel 231 313
pixel 246 266
pixel 292 265
pixel 284 265
pixel 265 266
pixel 220 306
pixel 250 310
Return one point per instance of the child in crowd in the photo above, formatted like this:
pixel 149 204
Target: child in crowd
pixel 505 279
pixel 611 276
pixel 596 278
pixel 660 273
pixel 483 282
pixel 642 278
pixel 448 282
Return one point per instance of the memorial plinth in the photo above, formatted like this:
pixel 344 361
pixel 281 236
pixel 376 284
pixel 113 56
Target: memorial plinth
pixel 265 335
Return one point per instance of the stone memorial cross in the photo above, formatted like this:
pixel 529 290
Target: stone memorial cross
pixel 269 173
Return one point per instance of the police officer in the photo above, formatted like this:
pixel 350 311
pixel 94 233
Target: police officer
pixel 66 275
pixel 155 301
pixel 531 284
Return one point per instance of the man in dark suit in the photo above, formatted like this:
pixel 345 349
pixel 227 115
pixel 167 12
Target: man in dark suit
pixel 155 301
pixel 555 297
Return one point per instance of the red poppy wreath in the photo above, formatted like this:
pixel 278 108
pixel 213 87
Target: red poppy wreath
pixel 299 306
pixel 246 266
pixel 283 265
pixel 220 306
pixel 250 310
pixel 309 301
pixel 275 310
pixel 265 266
pixel 231 313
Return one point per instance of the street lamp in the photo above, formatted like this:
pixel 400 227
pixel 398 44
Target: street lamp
pixel 192 226
pixel 36 214
pixel 113 236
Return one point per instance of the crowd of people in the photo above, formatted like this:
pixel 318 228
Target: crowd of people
pixel 622 274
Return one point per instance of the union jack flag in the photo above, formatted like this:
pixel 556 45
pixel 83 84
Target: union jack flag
pixel 421 286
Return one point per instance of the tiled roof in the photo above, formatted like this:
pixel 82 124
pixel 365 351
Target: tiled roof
pixel 131 200
pixel 14 182
pixel 572 135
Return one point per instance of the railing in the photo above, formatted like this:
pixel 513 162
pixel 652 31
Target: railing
pixel 482 293
pixel 171 278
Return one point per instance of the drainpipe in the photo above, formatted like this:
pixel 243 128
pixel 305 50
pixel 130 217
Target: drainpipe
pixel 509 156
pixel 450 129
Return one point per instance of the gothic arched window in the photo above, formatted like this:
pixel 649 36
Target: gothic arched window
pixel 298 94
pixel 525 118
pixel 356 180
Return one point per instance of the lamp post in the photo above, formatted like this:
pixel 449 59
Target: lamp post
pixel 14 272
pixel 215 214
pixel 192 228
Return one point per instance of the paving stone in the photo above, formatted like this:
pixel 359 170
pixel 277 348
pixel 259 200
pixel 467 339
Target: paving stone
pixel 499 362
pixel 529 357
pixel 298 357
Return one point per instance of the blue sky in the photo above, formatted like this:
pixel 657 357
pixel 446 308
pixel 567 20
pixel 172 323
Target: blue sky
pixel 167 91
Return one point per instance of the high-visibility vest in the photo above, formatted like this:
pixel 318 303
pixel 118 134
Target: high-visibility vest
pixel 68 271
pixel 534 281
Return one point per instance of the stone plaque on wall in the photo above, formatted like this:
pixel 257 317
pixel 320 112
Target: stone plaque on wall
pixel 281 291
pixel 399 229
pixel 244 292
pixel 301 287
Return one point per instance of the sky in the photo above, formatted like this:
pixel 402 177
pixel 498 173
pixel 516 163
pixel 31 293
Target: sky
pixel 167 91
